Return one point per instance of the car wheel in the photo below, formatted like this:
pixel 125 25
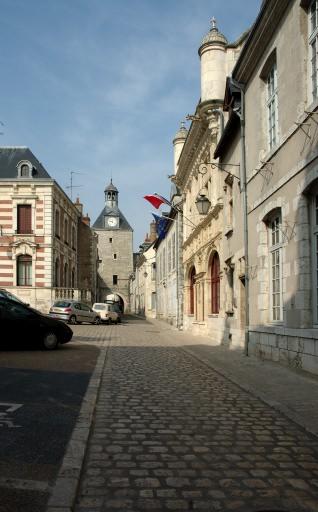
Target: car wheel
pixel 72 320
pixel 97 320
pixel 50 341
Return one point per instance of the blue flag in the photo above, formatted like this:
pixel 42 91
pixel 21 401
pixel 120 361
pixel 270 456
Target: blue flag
pixel 161 224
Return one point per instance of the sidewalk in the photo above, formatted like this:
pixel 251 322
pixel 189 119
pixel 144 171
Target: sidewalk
pixel 291 391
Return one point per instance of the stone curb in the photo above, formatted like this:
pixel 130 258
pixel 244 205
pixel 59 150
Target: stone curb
pixel 66 484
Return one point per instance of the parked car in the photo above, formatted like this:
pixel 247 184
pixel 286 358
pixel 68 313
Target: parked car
pixel 107 312
pixel 20 323
pixel 5 294
pixel 74 312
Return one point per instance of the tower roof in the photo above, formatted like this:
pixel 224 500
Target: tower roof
pixel 181 133
pixel 108 211
pixel 214 36
pixel 111 187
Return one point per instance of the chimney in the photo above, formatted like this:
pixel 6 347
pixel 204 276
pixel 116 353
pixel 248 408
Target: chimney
pixel 153 232
pixel 86 220
pixel 79 206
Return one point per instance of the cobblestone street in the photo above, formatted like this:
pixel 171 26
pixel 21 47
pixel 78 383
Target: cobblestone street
pixel 172 433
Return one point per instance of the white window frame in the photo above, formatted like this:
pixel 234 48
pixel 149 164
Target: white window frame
pixel 272 106
pixel 276 267
pixel 313 46
pixel 28 164
pixel 314 258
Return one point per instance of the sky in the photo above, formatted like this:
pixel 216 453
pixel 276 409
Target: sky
pixel 99 88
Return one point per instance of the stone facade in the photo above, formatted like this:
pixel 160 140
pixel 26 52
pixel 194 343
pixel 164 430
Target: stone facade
pixel 143 291
pixel 169 274
pixel 87 263
pixel 115 251
pixel 209 307
pixel 278 104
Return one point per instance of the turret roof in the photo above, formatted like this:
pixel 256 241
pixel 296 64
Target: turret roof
pixel 111 187
pixel 181 133
pixel 213 36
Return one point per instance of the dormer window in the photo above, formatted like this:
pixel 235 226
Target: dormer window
pixel 25 169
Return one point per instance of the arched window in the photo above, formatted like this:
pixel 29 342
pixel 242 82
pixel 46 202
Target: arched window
pixel 57 273
pixel 24 270
pixel 57 223
pixel 215 284
pixel 73 237
pixel 73 278
pixel 25 171
pixel 66 280
pixel 191 291
pixel 65 231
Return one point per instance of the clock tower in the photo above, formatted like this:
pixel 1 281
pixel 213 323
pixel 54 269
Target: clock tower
pixel 115 251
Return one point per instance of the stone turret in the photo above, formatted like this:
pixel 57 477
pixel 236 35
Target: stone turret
pixel 212 53
pixel 178 143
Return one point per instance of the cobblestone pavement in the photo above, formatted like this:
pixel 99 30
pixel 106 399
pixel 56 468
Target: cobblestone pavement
pixel 170 433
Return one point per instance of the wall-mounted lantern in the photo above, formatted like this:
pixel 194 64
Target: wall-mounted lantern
pixel 203 204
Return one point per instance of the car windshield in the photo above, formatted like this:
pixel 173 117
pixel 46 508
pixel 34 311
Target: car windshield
pixel 7 295
pixel 61 304
pixel 100 307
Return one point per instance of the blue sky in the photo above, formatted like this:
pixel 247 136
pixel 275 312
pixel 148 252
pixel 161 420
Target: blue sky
pixel 100 87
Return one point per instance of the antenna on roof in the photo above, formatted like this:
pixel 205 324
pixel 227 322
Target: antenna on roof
pixel 71 186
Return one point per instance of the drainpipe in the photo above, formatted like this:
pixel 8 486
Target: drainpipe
pixel 243 188
pixel 177 270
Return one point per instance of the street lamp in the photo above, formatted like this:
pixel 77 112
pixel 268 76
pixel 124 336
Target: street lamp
pixel 202 203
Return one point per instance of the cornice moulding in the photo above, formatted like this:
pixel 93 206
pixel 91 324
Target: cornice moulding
pixel 262 31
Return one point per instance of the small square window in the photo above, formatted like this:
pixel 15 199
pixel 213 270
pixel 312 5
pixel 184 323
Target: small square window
pixel 110 240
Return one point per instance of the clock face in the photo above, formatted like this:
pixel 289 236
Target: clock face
pixel 112 221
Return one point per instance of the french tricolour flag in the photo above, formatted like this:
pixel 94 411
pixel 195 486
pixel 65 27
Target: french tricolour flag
pixel 156 200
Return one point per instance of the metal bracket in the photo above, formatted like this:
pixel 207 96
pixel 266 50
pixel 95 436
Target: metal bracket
pixel 216 165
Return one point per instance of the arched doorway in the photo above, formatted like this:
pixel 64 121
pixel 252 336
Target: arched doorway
pixel 215 284
pixel 191 290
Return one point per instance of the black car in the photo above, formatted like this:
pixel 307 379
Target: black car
pixel 20 323
pixel 5 294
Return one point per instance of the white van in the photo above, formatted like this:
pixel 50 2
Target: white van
pixel 107 312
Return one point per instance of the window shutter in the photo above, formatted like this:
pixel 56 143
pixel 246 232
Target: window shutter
pixel 24 218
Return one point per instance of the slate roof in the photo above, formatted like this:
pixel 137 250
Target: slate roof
pixel 11 156
pixel 111 187
pixel 112 211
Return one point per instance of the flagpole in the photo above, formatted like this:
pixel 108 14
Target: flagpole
pixel 178 209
